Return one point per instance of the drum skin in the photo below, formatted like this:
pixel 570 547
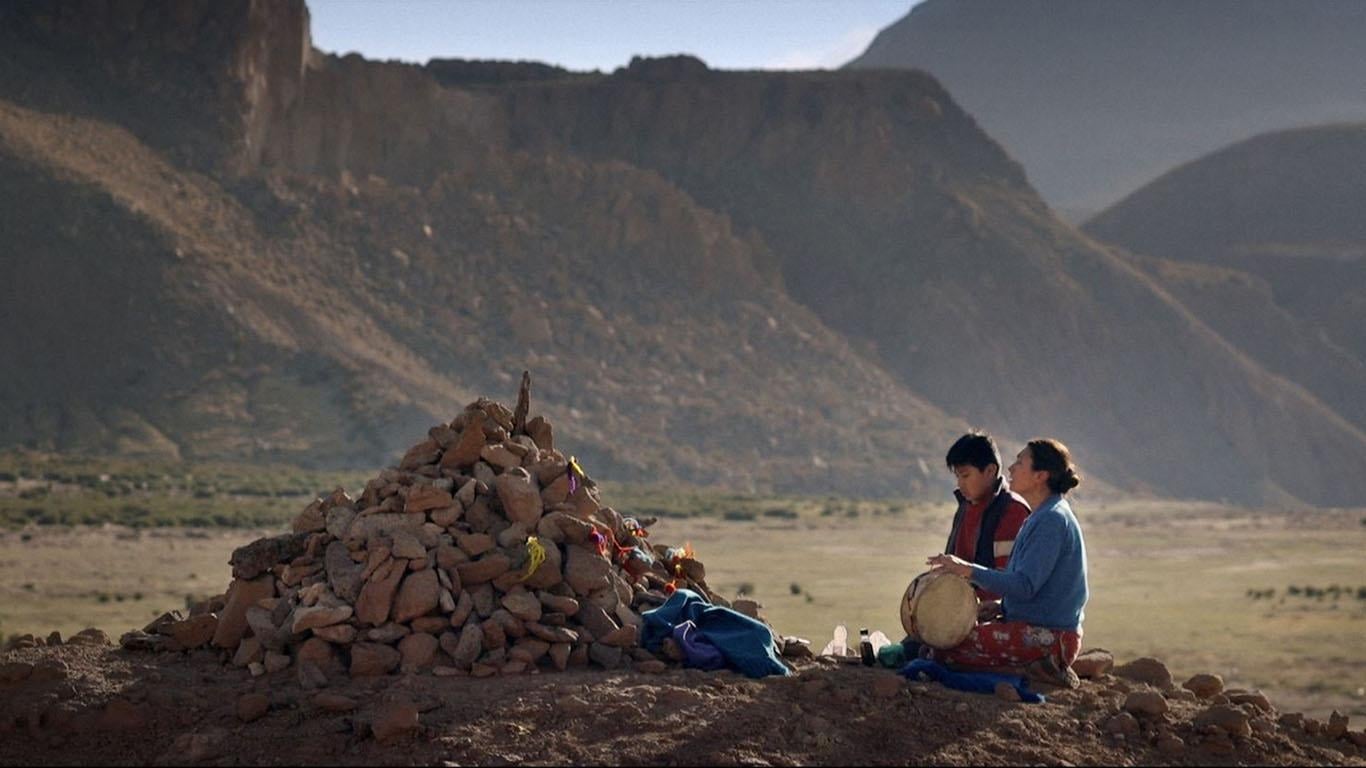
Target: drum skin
pixel 939 609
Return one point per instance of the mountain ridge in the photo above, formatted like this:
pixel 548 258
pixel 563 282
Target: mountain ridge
pixel 1098 97
pixel 1264 237
pixel 754 280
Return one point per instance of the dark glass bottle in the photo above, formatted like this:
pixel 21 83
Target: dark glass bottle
pixel 865 647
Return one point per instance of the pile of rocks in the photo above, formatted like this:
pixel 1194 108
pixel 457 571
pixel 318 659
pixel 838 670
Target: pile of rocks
pixel 1225 721
pixel 485 551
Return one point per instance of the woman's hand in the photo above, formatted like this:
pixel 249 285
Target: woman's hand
pixel 952 564
pixel 989 610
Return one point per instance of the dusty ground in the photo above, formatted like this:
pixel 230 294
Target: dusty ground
pixel 1168 580
pixel 109 706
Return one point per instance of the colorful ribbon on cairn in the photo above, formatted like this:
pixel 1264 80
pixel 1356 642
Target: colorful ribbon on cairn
pixel 635 558
pixel 675 556
pixel 535 556
pixel 576 474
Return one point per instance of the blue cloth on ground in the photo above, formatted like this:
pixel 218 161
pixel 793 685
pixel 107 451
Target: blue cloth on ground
pixel 746 644
pixel 698 652
pixel 974 682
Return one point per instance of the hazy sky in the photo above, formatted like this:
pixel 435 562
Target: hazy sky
pixel 605 34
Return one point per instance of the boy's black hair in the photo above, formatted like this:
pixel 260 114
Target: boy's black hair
pixel 975 449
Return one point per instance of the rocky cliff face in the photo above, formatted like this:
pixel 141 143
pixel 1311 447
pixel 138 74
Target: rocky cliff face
pixel 204 79
pixel 839 155
pixel 383 118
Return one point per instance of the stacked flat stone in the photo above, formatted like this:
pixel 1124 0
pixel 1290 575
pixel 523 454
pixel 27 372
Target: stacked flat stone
pixel 481 553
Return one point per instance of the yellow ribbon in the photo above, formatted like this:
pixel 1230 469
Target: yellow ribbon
pixel 535 554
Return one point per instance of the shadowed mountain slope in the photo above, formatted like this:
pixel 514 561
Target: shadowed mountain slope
pixel 156 312
pixel 905 227
pixel 1096 97
pixel 1279 216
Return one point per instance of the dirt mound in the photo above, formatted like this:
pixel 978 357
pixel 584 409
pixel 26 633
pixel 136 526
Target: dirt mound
pixel 101 704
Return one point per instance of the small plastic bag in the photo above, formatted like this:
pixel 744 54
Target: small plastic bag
pixel 892 656
pixel 839 645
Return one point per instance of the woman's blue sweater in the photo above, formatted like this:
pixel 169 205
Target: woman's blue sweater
pixel 1044 583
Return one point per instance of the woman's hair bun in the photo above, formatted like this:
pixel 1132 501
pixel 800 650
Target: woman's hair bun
pixel 1052 456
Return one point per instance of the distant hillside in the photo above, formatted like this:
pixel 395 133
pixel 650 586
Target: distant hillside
pixel 903 226
pixel 1242 308
pixel 337 337
pixel 1097 97
pixel 1287 208
pixel 801 282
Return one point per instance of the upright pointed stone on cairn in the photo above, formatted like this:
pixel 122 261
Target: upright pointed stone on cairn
pixel 523 405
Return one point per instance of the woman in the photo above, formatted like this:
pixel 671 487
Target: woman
pixel 1043 585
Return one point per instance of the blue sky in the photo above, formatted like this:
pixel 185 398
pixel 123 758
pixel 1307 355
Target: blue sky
pixel 605 34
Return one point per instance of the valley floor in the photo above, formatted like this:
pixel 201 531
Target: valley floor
pixel 1169 580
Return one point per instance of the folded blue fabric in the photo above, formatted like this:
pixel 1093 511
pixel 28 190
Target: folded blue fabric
pixel 974 682
pixel 746 644
pixel 698 652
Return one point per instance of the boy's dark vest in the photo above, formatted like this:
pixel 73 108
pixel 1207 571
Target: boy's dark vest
pixel 985 554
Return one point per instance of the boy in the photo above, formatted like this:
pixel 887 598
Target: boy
pixel 989 515
pixel 988 518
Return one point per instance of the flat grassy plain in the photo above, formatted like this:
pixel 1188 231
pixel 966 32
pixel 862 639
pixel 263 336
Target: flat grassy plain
pixel 55 489
pixel 1169 579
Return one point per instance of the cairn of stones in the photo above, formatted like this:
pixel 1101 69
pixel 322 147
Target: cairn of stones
pixel 485 551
